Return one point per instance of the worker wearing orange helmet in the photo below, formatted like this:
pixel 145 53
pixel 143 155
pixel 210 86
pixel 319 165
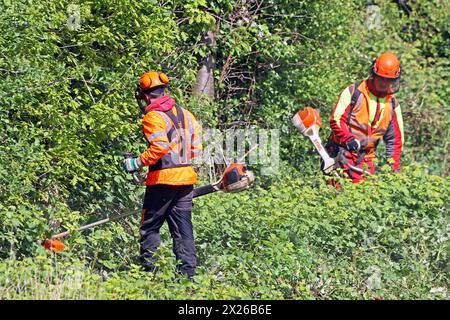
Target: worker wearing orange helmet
pixel 366 112
pixel 173 140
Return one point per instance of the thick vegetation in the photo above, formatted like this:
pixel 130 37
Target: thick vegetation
pixel 300 239
pixel 67 112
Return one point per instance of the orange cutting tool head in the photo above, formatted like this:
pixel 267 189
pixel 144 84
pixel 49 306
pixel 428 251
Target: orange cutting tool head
pixel 53 245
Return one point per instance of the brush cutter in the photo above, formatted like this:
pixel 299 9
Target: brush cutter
pixel 308 122
pixel 235 178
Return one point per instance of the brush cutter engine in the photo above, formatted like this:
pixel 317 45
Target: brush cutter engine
pixel 237 178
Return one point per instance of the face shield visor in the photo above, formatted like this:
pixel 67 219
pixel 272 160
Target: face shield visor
pixel 385 86
pixel 142 104
pixel 141 99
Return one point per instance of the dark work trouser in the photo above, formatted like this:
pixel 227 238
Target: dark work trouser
pixel 174 205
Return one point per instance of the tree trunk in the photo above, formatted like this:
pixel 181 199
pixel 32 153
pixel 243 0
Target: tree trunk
pixel 205 75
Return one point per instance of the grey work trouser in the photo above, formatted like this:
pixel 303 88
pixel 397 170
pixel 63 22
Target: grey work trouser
pixel 174 205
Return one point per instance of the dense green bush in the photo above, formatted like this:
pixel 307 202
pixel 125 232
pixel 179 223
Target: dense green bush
pixel 301 239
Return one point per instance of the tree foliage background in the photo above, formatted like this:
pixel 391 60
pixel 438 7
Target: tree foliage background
pixel 67 112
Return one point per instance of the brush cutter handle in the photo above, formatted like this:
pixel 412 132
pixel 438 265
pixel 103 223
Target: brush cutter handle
pixel 138 177
pixel 341 159
pixel 201 191
pixel 91 225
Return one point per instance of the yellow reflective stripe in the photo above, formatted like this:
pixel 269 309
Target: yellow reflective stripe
pixel 344 100
pixel 398 113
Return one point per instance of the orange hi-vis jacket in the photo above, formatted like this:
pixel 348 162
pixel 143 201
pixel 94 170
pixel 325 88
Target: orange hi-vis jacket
pixel 173 135
pixel 368 119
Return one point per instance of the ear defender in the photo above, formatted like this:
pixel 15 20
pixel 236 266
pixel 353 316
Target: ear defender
pixel 163 78
pixel 151 80
pixel 146 81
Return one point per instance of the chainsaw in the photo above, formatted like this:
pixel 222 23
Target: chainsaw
pixel 308 122
pixel 235 178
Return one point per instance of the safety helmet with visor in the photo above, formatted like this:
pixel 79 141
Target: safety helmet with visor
pixel 385 74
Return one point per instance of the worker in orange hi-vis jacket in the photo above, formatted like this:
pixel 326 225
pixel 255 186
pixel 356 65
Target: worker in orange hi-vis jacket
pixel 173 136
pixel 366 112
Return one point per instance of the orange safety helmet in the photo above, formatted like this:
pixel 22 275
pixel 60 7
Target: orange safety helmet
pixel 387 66
pixel 150 80
pixel 385 75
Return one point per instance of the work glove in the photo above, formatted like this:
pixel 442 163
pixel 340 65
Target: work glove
pixel 353 145
pixel 132 164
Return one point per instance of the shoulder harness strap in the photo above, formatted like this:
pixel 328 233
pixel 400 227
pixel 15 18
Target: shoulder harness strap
pixel 394 103
pixel 178 123
pixel 355 96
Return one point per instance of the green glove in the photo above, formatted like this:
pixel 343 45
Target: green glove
pixel 132 164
